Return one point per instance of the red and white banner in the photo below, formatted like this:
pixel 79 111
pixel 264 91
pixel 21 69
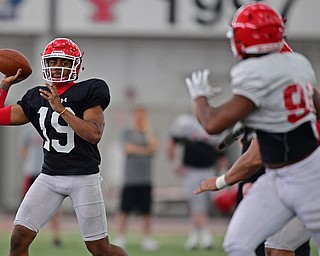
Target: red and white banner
pixel 139 18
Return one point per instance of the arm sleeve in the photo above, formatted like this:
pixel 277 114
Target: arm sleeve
pixel 5 112
pixel 5 115
pixel 3 96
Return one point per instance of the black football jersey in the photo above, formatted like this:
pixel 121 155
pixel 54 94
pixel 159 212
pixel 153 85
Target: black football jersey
pixel 65 153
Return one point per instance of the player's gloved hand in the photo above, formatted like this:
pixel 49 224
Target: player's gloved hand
pixel 198 85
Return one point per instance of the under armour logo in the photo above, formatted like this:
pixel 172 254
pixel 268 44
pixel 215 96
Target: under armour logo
pixel 64 100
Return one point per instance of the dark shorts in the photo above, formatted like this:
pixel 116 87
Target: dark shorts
pixel 136 199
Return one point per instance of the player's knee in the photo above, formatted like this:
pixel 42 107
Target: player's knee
pixel 102 247
pixel 235 249
pixel 239 252
pixel 21 239
pixel 277 252
pixel 99 247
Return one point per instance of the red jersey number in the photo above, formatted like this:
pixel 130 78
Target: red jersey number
pixel 298 102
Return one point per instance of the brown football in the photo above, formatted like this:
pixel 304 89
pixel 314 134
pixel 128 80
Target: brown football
pixel 11 60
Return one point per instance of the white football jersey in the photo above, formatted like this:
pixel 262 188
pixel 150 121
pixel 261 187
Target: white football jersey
pixel 281 87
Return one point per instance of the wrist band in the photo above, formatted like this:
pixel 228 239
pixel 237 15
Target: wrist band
pixel 221 182
pixel 64 110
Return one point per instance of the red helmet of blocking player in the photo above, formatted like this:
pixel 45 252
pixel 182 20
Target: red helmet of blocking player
pixel 256 29
pixel 64 49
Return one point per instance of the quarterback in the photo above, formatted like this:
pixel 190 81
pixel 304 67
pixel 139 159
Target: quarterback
pixel 69 117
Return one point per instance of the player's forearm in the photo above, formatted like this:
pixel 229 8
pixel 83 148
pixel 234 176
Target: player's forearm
pixel 215 120
pixel 88 130
pixel 5 86
pixel 207 115
pixel 246 165
pixel 241 170
pixel 10 115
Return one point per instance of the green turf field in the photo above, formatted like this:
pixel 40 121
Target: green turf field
pixel 170 244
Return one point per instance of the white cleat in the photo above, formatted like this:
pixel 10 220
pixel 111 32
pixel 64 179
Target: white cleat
pixel 149 244
pixel 192 242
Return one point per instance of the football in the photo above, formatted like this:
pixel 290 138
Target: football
pixel 12 60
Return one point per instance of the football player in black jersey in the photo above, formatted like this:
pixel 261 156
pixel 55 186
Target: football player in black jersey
pixel 69 117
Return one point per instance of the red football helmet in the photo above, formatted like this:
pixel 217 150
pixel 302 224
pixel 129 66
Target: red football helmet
pixel 62 48
pixel 256 29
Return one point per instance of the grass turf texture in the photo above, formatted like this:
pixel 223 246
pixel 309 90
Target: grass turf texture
pixel 170 244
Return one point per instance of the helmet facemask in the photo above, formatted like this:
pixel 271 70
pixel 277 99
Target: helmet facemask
pixel 230 36
pixel 47 71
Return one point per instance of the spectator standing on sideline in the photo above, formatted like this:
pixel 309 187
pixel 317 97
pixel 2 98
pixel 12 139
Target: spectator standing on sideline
pixel 200 160
pixel 272 94
pixel 140 145
pixel 69 117
pixel 31 152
